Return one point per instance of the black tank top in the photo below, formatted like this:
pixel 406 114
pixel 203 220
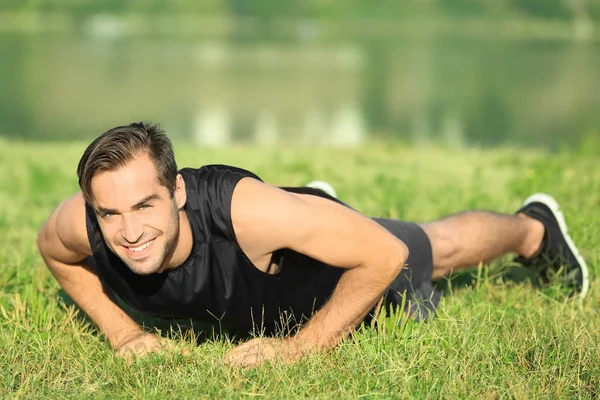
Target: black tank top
pixel 218 284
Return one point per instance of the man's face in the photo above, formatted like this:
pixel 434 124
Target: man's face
pixel 138 217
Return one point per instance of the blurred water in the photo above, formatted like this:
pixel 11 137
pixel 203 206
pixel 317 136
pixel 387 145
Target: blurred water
pixel 459 90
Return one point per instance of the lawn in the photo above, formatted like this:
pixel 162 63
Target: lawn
pixel 493 337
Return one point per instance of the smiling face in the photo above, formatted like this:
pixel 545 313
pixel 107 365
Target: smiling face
pixel 137 215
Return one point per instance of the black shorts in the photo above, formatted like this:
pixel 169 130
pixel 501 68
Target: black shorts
pixel 415 279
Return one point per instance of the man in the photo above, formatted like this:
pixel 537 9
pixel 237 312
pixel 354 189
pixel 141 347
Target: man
pixel 217 244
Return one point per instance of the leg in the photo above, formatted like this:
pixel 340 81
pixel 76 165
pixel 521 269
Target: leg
pixel 466 239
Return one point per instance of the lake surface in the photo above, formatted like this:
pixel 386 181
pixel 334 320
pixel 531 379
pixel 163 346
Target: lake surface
pixel 312 90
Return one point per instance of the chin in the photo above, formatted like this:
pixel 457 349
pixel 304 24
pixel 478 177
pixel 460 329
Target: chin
pixel 143 272
pixel 143 269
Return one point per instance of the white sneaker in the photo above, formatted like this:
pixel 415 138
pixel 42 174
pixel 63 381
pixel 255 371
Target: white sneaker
pixel 324 186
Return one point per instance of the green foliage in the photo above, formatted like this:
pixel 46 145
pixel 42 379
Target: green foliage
pixel 558 9
pixel 492 337
pixel 78 7
pixel 543 8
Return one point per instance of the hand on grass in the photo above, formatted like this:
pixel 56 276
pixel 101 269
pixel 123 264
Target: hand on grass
pixel 260 350
pixel 144 343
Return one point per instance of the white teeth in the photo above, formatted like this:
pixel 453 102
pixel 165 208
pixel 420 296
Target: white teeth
pixel 142 247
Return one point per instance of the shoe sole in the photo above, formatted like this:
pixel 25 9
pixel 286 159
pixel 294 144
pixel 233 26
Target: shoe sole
pixel 552 204
pixel 324 186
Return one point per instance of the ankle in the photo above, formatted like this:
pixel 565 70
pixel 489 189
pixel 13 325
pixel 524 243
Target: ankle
pixel 534 237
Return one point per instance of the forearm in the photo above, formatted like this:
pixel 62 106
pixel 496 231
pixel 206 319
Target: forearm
pixel 84 287
pixel 358 291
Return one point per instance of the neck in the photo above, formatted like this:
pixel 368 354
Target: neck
pixel 184 243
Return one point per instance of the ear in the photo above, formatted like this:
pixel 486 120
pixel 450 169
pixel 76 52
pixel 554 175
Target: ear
pixel 180 194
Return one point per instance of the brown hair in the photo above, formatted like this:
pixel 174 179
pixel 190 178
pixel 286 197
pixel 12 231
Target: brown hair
pixel 116 147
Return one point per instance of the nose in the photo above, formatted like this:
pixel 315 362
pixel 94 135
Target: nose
pixel 132 230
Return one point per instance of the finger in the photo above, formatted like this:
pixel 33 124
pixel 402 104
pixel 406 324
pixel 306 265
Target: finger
pixel 252 357
pixel 126 355
pixel 247 360
pixel 260 356
pixel 250 361
pixel 236 356
pixel 240 350
pixel 232 356
pixel 249 344
pixel 185 352
pixel 123 353
pixel 141 349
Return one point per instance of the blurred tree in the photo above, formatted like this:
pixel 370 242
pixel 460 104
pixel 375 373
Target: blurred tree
pixel 489 119
pixel 543 8
pixel 375 85
pixel 16 116
pixel 266 9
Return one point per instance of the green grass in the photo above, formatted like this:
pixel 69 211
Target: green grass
pixel 490 339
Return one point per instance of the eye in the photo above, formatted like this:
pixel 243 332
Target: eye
pixel 145 206
pixel 108 215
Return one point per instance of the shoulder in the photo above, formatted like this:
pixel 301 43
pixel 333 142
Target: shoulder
pixel 66 228
pixel 71 222
pixel 213 184
pixel 215 174
pixel 209 192
pixel 266 218
pixel 253 199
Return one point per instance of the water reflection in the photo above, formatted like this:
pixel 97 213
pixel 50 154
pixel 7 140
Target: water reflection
pixel 418 89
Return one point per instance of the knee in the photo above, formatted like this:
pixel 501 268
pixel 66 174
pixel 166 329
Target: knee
pixel 445 249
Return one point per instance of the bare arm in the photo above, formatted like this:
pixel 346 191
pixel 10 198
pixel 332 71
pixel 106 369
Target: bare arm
pixel 266 219
pixel 64 246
